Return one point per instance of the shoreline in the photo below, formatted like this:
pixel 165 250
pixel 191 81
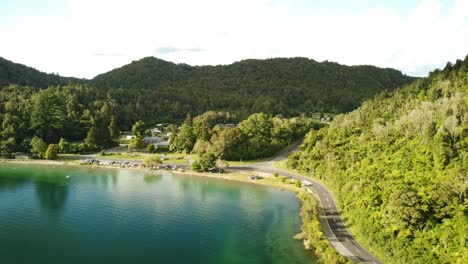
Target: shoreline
pixel 239 176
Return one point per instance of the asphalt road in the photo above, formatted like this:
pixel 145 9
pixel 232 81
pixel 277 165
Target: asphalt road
pixel 333 225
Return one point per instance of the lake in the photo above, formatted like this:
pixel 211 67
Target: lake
pixel 72 214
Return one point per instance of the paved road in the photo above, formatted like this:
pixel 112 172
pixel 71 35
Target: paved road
pixel 333 225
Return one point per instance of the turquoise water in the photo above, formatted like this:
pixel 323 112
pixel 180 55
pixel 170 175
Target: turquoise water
pixel 67 214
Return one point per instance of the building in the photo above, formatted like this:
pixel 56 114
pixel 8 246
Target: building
pixel 152 140
pixel 155 131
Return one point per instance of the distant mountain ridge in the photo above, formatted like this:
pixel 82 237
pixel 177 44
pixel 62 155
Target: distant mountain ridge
pixel 277 86
pixel 271 85
pixel 15 73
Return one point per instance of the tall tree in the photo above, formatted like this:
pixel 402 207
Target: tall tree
pixel 138 129
pixel 114 129
pixel 48 116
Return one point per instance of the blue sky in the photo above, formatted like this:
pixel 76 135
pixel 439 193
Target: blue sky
pixel 84 38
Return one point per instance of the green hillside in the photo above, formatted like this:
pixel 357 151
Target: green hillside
pixel 398 166
pixel 281 85
pixel 15 73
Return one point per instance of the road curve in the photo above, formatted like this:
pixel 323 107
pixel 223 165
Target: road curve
pixel 333 225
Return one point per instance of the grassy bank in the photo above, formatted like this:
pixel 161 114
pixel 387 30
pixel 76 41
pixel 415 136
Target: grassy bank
pixel 312 234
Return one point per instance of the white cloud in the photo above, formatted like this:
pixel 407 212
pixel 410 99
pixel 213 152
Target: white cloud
pixel 97 36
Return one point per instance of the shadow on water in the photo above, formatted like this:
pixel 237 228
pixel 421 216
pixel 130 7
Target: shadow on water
pixel 7 184
pixel 52 196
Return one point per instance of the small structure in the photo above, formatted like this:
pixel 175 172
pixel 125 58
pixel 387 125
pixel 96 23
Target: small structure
pixel 161 144
pixel 155 131
pixel 21 155
pixel 306 183
pixel 226 125
pixel 326 119
pixel 126 135
pixel 152 140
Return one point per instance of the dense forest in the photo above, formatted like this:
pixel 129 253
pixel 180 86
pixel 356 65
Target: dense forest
pixel 399 168
pixel 285 86
pixel 151 88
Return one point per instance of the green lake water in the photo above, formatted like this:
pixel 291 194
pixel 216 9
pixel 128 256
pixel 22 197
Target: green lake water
pixel 68 214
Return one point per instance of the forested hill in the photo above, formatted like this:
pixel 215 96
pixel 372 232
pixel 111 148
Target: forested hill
pixel 19 74
pixel 280 85
pixel 154 88
pixel 399 168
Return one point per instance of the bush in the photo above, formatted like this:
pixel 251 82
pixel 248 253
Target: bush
pixel 298 184
pixel 64 146
pixel 136 143
pixel 283 179
pixel 275 174
pixel 51 152
pixel 152 160
pixel 204 162
pixel 151 148
pixel 38 147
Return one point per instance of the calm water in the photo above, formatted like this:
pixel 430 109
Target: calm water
pixel 67 214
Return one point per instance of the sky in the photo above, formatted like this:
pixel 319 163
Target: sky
pixel 83 38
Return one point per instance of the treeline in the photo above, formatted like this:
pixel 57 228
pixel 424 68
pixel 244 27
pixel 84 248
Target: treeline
pixel 399 166
pixel 71 113
pixel 216 135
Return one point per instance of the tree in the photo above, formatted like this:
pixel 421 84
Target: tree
pixel 201 146
pixel 38 147
pixel 204 162
pixel 257 127
pixel 63 146
pixel 48 115
pixel 151 148
pixel 138 129
pixel 51 152
pixel 136 143
pixel 230 144
pixel 184 141
pixel 92 137
pixel 188 120
pixel 7 147
pixel 114 129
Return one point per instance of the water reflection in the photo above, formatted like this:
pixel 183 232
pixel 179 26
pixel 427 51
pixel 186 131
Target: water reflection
pixel 52 196
pixel 151 178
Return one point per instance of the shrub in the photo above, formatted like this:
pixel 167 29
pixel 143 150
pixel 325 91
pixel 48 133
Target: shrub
pixel 298 184
pixel 51 152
